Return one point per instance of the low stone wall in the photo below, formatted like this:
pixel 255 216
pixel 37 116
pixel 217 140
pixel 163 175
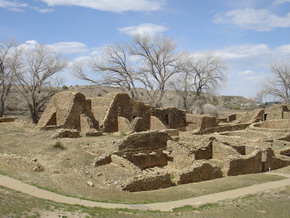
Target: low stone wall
pixel 200 122
pixel 200 171
pixel 122 162
pixel 223 128
pixel 7 119
pixel 102 160
pixel 66 133
pixel 147 182
pixel 272 162
pixel 244 164
pixel 205 152
pixel 18 161
pixel 221 151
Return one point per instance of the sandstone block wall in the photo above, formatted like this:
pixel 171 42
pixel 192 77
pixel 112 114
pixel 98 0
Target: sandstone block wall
pixel 145 149
pixel 200 122
pixel 221 151
pixel 146 183
pixel 65 110
pixel 172 118
pixel 200 171
pixel 244 164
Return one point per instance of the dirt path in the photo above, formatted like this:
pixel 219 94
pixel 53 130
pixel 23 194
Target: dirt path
pixel 164 206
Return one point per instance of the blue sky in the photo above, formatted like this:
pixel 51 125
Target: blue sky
pixel 248 34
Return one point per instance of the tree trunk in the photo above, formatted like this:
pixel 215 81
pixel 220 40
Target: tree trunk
pixel 2 105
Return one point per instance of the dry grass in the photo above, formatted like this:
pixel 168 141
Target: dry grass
pixel 68 170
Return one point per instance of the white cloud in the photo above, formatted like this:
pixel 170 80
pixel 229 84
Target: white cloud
pixel 145 28
pixel 249 18
pixel 20 7
pixel 13 5
pixel 277 2
pixel 65 48
pixel 69 47
pixel 111 5
pixel 43 10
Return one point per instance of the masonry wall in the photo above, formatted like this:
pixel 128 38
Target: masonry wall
pixel 172 118
pixel 200 171
pixel 244 164
pixel 200 122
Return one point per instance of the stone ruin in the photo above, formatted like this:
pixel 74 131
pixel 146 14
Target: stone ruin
pixel 166 147
pixel 112 113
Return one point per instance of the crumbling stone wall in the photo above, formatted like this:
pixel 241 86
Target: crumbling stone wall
pixel 115 105
pixel 272 162
pixel 148 182
pixel 172 118
pixel 276 112
pixel 221 151
pixel 244 164
pixel 199 171
pixel 68 110
pixel 200 122
pixel 145 149
pixel 18 161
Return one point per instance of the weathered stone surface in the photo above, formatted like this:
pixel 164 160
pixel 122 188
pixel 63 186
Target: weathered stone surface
pixel 200 122
pixel 66 133
pixel 171 118
pixel 145 149
pixel 149 140
pixel 244 164
pixel 122 162
pixel 68 110
pixel 102 160
pixel 138 124
pixel 124 125
pixel 199 171
pixel 171 132
pixel 272 162
pixel 114 105
pixel 18 161
pixel 148 182
pixel 221 151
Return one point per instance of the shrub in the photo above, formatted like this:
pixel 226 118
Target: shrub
pixel 58 145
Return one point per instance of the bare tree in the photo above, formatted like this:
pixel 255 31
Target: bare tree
pixel 278 85
pixel 9 60
pixel 158 64
pixel 201 77
pixel 37 80
pixel 113 69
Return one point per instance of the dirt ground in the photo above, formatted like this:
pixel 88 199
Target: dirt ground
pixel 68 168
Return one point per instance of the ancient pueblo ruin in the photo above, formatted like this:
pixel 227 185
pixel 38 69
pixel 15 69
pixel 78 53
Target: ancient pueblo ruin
pixel 166 147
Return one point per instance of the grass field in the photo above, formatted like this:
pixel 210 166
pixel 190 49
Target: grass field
pixel 267 204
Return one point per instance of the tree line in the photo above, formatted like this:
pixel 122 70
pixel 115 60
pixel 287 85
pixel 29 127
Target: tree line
pixel 151 63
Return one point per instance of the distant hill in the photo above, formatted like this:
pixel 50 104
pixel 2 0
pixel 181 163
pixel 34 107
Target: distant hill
pixel 16 103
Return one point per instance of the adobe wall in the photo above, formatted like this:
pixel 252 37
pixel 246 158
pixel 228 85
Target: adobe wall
pixel 199 171
pixel 244 164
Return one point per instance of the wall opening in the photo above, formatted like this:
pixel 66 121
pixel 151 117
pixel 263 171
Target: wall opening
pixel 166 120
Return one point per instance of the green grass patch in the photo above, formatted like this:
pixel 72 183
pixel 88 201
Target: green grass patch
pixel 58 145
